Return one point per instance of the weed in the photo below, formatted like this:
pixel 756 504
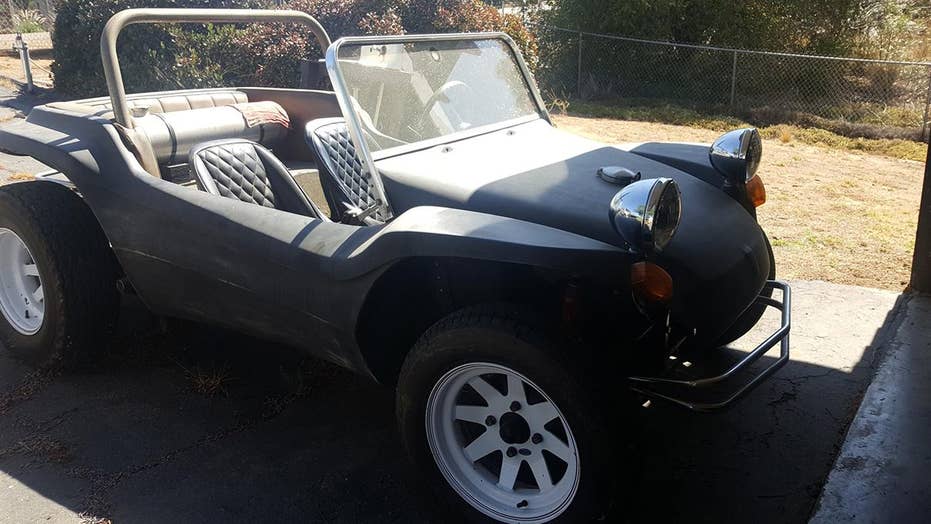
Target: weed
pixel 557 105
pixel 28 21
pixel 209 382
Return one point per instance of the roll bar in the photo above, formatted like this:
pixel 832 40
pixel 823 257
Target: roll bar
pixel 111 64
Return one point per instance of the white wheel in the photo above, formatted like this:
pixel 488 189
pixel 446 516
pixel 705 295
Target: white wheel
pixel 22 298
pixel 502 443
pixel 58 298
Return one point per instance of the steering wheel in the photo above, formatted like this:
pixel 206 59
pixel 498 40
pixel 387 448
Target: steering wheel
pixel 439 96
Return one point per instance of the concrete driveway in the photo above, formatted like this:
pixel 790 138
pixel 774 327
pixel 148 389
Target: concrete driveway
pixel 139 440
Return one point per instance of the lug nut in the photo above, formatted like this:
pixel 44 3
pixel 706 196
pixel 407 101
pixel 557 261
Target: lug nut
pixel 515 406
pixel 490 420
pixel 511 452
pixel 536 438
pixel 524 451
pixel 522 504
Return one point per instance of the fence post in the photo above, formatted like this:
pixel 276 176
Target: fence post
pixel 734 79
pixel 924 122
pixel 23 49
pixel 578 80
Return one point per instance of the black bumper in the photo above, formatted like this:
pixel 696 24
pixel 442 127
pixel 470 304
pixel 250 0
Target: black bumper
pixel 689 392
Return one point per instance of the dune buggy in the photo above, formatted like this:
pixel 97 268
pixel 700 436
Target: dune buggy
pixel 422 223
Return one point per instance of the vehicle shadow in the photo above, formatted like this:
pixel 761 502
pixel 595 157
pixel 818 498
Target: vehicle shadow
pixel 201 426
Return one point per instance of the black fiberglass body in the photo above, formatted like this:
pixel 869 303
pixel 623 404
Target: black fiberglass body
pixel 292 278
pixel 719 258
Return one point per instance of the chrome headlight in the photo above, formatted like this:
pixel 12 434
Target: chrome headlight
pixel 736 155
pixel 646 213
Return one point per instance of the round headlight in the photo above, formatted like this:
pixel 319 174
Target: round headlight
pixel 737 154
pixel 646 213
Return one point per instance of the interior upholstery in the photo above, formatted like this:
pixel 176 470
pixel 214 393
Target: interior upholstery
pixel 243 170
pixel 167 102
pixel 168 124
pixel 346 182
pixel 173 134
pixel 184 102
pixel 302 105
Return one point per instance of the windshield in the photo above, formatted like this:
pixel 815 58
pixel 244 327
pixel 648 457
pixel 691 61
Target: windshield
pixel 415 91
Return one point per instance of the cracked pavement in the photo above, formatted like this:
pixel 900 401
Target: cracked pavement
pixel 133 441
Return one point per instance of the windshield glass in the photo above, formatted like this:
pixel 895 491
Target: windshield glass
pixel 415 91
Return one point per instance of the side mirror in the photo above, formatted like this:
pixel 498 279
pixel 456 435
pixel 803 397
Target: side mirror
pixel 736 154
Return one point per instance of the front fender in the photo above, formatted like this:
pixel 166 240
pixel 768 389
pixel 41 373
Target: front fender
pixel 689 158
pixel 446 232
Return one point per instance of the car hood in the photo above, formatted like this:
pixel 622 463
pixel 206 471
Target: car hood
pixel 532 172
pixel 537 173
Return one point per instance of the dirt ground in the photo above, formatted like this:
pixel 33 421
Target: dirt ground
pixel 832 215
pixel 12 67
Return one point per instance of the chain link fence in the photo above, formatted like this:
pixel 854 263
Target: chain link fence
pixel 26 16
pixel 25 39
pixel 855 97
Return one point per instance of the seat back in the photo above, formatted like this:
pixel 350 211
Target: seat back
pixel 243 170
pixel 346 181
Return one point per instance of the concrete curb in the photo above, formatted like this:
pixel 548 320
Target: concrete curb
pixel 880 474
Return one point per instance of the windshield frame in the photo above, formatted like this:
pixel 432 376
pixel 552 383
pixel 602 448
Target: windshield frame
pixel 355 126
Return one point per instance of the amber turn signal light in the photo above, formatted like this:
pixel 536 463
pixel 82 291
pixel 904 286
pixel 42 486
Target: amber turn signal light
pixel 756 192
pixel 651 282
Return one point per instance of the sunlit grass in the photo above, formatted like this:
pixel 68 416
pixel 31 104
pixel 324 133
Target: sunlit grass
pixel 676 115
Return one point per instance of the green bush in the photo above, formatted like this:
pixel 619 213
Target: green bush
pixel 276 50
pixel 147 52
pixel 171 57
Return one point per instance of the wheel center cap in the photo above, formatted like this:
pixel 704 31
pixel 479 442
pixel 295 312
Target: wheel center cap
pixel 514 429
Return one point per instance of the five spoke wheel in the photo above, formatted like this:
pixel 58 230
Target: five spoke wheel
pixel 22 298
pixel 502 443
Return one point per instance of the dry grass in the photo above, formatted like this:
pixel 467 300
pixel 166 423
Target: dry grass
pixel 12 67
pixel 668 114
pixel 832 214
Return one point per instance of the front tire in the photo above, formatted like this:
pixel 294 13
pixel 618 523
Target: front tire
pixel 58 297
pixel 499 425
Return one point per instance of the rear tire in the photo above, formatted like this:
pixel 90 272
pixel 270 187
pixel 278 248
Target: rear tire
pixel 58 297
pixel 498 348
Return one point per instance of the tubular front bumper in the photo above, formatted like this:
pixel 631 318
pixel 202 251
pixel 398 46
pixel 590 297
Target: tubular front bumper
pixel 685 392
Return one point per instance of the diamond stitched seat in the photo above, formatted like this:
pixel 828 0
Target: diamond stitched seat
pixel 243 170
pixel 345 178
pixel 238 172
